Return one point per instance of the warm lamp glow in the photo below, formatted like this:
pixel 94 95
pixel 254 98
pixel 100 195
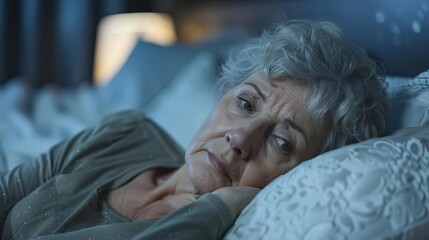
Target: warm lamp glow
pixel 117 35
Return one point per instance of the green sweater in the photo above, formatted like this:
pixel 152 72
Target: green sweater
pixel 57 195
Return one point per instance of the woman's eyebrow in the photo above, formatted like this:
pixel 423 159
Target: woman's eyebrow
pixel 295 126
pixel 258 91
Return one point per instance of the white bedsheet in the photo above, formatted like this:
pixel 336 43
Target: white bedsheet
pixel 32 122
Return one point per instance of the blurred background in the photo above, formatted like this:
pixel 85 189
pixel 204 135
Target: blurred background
pixel 68 42
pixel 66 64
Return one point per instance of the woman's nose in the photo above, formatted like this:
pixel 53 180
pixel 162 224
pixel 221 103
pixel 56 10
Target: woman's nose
pixel 238 139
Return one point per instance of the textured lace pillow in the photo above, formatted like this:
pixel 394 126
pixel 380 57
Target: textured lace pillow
pixel 408 101
pixel 376 189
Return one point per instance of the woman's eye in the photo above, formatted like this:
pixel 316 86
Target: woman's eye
pixel 245 104
pixel 284 145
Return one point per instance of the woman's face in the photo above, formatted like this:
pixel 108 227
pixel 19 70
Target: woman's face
pixel 258 131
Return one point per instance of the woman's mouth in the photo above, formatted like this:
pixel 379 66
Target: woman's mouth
pixel 218 164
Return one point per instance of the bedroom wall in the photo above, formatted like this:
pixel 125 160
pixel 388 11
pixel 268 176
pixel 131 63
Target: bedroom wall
pixel 52 41
pixel 395 32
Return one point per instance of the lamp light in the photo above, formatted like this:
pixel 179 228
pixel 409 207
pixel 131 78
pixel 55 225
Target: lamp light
pixel 117 35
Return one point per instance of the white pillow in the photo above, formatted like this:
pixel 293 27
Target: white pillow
pixel 376 189
pixel 408 101
pixel 185 103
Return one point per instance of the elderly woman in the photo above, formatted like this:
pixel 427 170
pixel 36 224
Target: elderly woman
pixel 297 91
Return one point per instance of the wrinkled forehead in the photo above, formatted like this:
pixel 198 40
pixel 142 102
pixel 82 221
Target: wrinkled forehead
pixel 301 92
pixel 293 99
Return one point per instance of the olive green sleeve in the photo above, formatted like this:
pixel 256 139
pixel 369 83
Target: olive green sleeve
pixel 23 179
pixel 207 218
pixel 62 158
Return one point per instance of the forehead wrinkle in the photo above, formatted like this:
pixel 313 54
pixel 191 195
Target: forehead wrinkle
pixel 287 107
pixel 292 103
pixel 279 110
pixel 290 90
pixel 283 102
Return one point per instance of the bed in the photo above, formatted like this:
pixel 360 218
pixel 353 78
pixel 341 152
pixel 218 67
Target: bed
pixel 377 189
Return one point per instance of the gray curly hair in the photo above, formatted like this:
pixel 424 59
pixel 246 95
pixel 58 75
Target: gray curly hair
pixel 349 90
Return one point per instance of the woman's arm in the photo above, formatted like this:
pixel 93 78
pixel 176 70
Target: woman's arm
pixel 63 158
pixel 19 182
pixel 23 179
pixel 206 218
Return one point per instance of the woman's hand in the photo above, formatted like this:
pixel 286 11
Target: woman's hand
pixel 237 198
